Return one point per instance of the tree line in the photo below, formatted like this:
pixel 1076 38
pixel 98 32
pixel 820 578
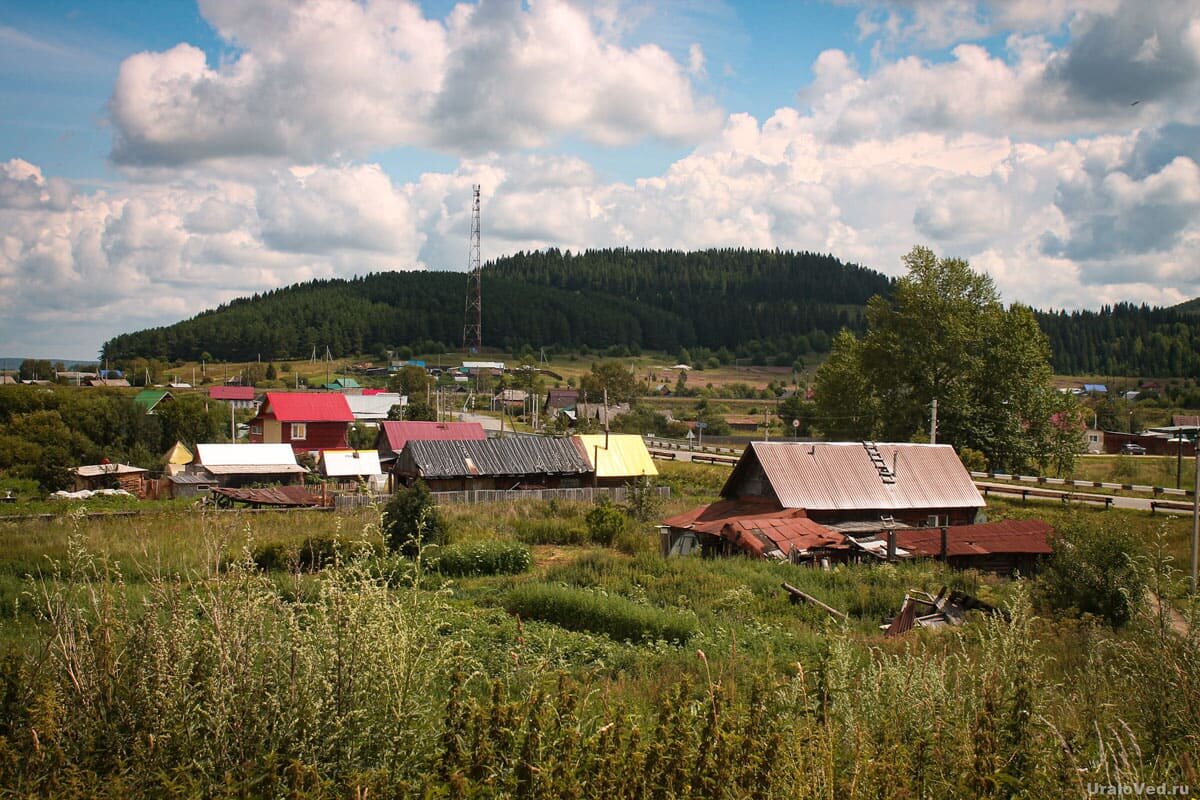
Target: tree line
pixel 764 306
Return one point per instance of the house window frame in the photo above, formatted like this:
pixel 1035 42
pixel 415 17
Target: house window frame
pixel 256 429
pixel 299 430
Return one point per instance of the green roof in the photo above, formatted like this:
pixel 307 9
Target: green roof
pixel 343 383
pixel 149 398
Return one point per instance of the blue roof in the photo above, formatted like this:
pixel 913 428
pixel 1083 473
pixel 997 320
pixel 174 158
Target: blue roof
pixel 1095 387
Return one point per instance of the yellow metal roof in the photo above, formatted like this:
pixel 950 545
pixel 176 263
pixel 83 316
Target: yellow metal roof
pixel 625 456
pixel 179 454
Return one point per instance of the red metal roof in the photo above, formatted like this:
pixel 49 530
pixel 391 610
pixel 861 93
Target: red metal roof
pixel 827 476
pixel 399 433
pixel 231 392
pixel 758 527
pixel 1011 536
pixel 307 407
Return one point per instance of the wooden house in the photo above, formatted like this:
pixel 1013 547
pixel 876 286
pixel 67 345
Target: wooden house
pixel 395 434
pixel 520 462
pixel 617 459
pixel 238 397
pixel 110 476
pixel 307 421
pixel 237 465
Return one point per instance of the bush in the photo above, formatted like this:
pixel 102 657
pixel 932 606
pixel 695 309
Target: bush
pixel 615 617
pixel 482 558
pixel 1093 570
pixel 973 460
pixel 548 531
pixel 411 521
pixel 313 554
pixel 605 522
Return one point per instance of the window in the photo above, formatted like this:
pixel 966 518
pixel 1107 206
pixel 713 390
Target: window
pixel 256 430
pixel 299 430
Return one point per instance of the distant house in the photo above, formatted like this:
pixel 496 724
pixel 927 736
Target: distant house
pixel 596 412
pixel 7 380
pixel 521 462
pixel 341 384
pixel 103 381
pixel 512 398
pixel 914 484
pixel 1093 440
pixel 1095 388
pixel 1185 420
pixel 239 397
pixel 110 476
pixel 307 421
pixel 234 465
pixel 557 399
pixel 150 399
pixel 617 459
pixel 493 368
pixel 374 407
pixel 74 377
pixel 394 435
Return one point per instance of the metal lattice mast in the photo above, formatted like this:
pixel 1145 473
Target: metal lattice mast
pixel 473 317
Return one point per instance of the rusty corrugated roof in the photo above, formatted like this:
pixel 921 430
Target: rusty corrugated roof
pixel 292 496
pixel 843 476
pixel 1011 537
pixel 518 456
pixel 760 528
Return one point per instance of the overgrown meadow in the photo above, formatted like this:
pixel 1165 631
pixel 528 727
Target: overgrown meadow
pixel 291 655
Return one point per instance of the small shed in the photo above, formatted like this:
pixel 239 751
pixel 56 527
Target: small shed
pixel 191 484
pixel 245 464
pixel 361 466
pixel 110 476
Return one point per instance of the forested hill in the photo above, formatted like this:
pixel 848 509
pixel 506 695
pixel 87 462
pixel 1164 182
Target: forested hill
pixel 760 304
pixel 768 306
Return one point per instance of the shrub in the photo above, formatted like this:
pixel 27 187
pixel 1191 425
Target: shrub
pixel 1093 570
pixel 973 460
pixel 483 558
pixel 313 554
pixel 411 521
pixel 615 617
pixel 548 531
pixel 604 522
pixel 644 501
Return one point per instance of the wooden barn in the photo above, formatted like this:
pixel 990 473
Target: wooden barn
pixel 520 462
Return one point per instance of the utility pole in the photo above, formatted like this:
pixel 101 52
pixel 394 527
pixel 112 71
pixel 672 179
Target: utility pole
pixel 1196 520
pixel 933 423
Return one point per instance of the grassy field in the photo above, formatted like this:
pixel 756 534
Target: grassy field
pixel 149 657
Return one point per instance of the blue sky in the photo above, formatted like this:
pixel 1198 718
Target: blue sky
pixel 157 159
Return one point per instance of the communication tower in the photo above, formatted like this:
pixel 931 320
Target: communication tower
pixel 473 317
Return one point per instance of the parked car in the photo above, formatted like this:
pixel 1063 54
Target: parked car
pixel 1132 449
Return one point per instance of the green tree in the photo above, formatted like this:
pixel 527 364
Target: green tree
pixel 411 521
pixel 191 420
pixel 620 382
pixel 35 368
pixel 1094 570
pixel 944 335
pixel 419 410
pixel 410 380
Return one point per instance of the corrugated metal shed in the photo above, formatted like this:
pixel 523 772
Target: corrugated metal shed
pixel 1013 536
pixel 844 476
pixel 350 463
pixel 777 538
pixel 624 456
pixel 306 407
pixel 518 456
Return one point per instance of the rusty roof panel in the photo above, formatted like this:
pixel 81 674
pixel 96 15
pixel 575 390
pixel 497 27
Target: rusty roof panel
pixel 1009 537
pixel 517 456
pixel 846 476
pixel 290 496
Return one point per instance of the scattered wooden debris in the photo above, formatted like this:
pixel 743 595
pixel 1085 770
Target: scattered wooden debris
pixel 921 609
pixel 796 596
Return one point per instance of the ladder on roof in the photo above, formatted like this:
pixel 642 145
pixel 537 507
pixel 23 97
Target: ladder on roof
pixel 885 473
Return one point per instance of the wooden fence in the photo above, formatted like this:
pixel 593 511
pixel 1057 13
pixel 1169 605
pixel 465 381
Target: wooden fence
pixel 588 494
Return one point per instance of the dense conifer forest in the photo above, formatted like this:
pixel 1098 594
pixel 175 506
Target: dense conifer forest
pixel 767 306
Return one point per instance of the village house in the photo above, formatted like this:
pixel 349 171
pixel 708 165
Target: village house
pixel 374 407
pixel 559 399
pixel 236 465
pixel 357 466
pixel 150 399
pixel 1005 547
pixel 239 397
pixel 617 459
pixel 110 476
pixel 307 421
pixel 395 434
pixel 520 462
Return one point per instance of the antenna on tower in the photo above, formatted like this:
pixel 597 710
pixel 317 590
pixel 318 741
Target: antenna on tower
pixel 473 316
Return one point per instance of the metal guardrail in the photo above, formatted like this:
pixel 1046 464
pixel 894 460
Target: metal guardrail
pixel 1040 479
pixel 1066 497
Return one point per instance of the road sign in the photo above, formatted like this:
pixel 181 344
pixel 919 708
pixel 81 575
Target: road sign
pixel 701 425
pixel 795 423
pixel 691 435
